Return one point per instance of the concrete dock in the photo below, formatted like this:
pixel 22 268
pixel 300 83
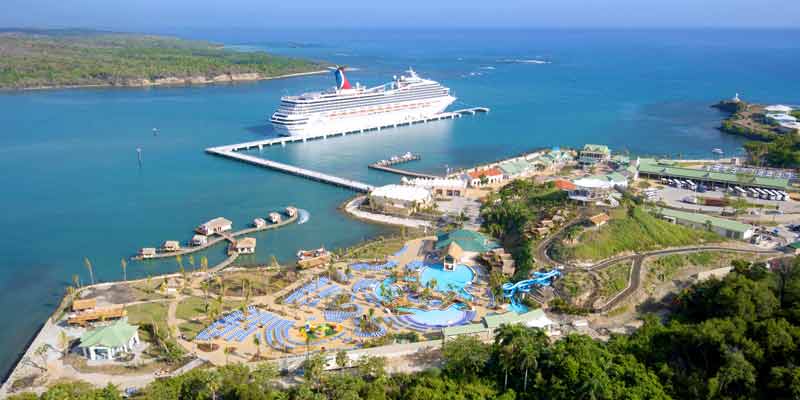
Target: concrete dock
pixel 230 151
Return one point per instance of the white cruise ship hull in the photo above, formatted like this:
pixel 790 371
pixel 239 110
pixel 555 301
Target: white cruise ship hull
pixel 363 118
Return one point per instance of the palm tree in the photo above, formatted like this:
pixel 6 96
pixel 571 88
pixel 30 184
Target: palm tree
pixel 76 281
pixel 63 342
pixel 204 264
pixel 179 260
pixel 124 265
pixel 204 287
pixel 342 359
pixel 257 342
pixel 228 350
pixel 191 261
pixel 88 265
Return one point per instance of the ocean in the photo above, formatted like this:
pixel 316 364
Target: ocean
pixel 74 187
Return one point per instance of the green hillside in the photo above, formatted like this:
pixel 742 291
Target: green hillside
pixel 36 58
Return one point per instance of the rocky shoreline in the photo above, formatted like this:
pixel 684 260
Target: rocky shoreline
pixel 175 81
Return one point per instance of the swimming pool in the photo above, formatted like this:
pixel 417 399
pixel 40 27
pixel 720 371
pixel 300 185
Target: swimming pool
pixel 389 286
pixel 447 281
pixel 453 315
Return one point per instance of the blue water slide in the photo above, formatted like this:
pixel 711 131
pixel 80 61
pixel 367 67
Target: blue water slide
pixel 510 290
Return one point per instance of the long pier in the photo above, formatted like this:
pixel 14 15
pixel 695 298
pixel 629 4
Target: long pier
pixel 224 236
pixel 403 172
pixel 230 151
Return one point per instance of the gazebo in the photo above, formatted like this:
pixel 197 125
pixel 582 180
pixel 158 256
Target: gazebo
pixel 106 342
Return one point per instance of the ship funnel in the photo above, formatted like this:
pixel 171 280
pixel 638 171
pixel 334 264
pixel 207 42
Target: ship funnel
pixel 341 80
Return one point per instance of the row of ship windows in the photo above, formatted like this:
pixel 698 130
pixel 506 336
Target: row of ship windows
pixel 361 103
pixel 372 111
pixel 381 99
pixel 335 98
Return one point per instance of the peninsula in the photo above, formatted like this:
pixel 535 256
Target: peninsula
pixel 45 59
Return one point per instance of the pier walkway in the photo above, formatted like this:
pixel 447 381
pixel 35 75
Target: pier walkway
pixel 224 236
pixel 403 172
pixel 230 151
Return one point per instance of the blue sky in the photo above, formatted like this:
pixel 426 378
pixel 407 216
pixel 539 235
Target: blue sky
pixel 267 14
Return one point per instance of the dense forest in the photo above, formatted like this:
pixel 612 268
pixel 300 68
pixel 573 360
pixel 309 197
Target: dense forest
pixel 735 338
pixel 31 59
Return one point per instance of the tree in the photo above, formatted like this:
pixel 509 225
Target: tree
pixel 228 351
pixel 63 342
pixel 374 367
pixel 204 264
pixel 465 356
pixel 124 265
pixel 257 343
pixel 88 265
pixel 313 368
pixel 342 359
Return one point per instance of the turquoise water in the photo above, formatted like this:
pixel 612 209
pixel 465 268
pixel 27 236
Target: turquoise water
pixel 448 281
pixel 73 187
pixel 448 316
pixel 390 288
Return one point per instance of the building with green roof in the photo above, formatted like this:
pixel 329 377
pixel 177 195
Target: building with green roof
pixel 106 342
pixel 655 169
pixel 593 154
pixel 724 227
pixel 515 168
pixel 485 329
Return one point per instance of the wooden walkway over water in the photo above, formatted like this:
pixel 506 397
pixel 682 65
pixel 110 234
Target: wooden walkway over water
pixel 230 151
pixel 224 236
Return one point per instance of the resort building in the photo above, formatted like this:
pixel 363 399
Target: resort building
pixel 593 154
pixel 259 223
pixel 599 219
pixel 400 199
pixel 108 342
pixel 653 169
pixel 171 245
pixel 484 330
pixel 85 316
pixel 777 109
pixel 313 258
pixel 83 304
pixel 274 218
pixel 245 245
pixel 291 211
pixel 724 227
pixel 516 168
pixel 199 240
pixel 467 246
pixel 147 252
pixel 777 119
pixel 215 226
pixel 488 176
pixel 440 188
pixel 597 188
pixel 789 127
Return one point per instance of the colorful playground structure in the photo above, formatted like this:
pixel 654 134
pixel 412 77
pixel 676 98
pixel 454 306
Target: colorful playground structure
pixel 510 290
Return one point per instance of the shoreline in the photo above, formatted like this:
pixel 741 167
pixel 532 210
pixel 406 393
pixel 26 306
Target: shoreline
pixel 171 82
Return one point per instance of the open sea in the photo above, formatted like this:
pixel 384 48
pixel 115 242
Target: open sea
pixel 73 187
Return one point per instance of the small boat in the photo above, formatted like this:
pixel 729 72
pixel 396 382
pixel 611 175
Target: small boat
pixel 717 151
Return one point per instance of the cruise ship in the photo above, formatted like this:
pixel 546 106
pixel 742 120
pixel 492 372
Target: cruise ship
pixel 347 108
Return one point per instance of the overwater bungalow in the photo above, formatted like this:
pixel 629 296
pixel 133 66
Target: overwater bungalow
pixel 291 211
pixel 245 245
pixel 259 223
pixel 274 217
pixel 199 240
pixel 215 226
pixel 171 245
pixel 147 252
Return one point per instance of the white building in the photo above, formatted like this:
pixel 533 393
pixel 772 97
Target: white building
pixel 480 177
pixel 789 127
pixel 777 119
pixel 440 187
pixel 215 226
pixel 147 252
pixel 171 245
pixel 245 245
pixel 777 109
pixel 402 199
pixel 107 342
pixel 274 218
pixel 199 240
pixel 259 223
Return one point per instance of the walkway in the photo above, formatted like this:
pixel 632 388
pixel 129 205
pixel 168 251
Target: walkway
pixel 229 236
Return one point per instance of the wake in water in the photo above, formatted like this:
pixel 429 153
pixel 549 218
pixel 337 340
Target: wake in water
pixel 525 61
pixel 302 216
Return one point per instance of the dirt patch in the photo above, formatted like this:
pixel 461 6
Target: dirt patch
pixel 114 294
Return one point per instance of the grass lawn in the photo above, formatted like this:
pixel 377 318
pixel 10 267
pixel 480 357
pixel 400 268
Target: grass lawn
pixel 194 307
pixel 638 232
pixel 190 329
pixel 378 248
pixel 665 267
pixel 614 279
pixel 147 313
